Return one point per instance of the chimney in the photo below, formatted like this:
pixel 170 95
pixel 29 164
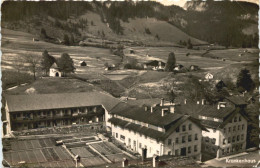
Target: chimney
pixel 185 101
pixel 154 165
pixel 151 109
pixel 198 102
pixel 172 109
pixel 203 101
pixel 145 108
pixel 162 102
pixel 162 112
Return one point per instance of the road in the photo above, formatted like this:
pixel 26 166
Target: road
pixel 249 160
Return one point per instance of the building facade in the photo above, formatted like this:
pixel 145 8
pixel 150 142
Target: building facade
pixel 157 129
pixel 226 124
pixel 229 140
pixel 55 71
pixel 25 112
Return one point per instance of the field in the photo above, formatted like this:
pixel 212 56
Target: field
pixel 35 152
pixel 132 83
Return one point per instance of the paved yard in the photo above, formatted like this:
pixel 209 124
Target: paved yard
pixel 249 160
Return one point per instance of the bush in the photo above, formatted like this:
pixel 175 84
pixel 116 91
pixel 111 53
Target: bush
pixel 147 31
pixel 128 66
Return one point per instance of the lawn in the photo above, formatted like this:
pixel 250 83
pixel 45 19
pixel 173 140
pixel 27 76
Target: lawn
pixel 54 85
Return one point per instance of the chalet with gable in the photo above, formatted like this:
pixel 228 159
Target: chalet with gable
pixel 55 70
pixel 226 123
pixel 208 76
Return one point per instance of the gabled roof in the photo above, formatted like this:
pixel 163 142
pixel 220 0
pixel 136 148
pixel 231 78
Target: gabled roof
pixel 196 110
pixel 158 135
pixel 139 114
pixel 56 101
pixel 141 102
pixel 54 65
pixel 237 100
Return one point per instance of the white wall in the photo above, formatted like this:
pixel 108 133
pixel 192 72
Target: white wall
pixel 177 146
pixel 162 148
pixel 53 72
pixel 151 144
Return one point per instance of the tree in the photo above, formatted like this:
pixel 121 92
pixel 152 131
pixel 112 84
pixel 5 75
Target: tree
pixel 66 64
pixel 172 96
pixel 72 41
pixel 46 61
pixel 244 81
pixel 171 62
pixel 189 44
pixel 33 63
pixel 66 39
pixel 43 33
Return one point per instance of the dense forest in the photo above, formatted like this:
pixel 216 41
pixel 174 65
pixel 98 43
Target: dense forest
pixel 220 22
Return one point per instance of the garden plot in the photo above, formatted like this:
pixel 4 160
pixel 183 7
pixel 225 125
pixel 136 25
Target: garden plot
pixel 31 144
pixel 83 152
pixel 94 161
pixel 118 157
pixel 37 155
pixel 65 164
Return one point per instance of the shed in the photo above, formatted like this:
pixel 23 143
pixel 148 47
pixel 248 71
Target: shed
pixel 209 76
pixel 55 70
pixel 194 67
pixel 83 63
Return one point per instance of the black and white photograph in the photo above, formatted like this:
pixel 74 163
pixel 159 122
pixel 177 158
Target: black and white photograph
pixel 130 83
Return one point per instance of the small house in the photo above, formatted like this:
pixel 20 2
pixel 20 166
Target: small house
pixel 155 65
pixel 132 51
pixel 35 39
pixel 110 67
pixel 178 67
pixel 209 76
pixel 83 63
pixel 55 70
pixel 194 67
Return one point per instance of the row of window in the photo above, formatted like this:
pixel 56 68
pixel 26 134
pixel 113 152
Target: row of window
pixel 236 119
pixel 54 112
pixel 184 128
pixel 234 139
pixel 183 150
pixel 183 139
pixel 235 128
pixel 233 149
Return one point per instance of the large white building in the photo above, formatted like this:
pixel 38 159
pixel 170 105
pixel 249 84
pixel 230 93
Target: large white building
pixel 226 124
pixel 158 129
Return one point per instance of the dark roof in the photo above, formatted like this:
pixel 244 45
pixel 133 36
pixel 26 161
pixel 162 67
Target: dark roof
pixel 54 65
pixel 57 101
pixel 155 63
pixel 237 100
pixel 141 102
pixel 196 110
pixel 139 114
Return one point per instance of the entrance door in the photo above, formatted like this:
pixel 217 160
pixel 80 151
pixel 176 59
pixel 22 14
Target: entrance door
pixel 183 151
pixel 57 74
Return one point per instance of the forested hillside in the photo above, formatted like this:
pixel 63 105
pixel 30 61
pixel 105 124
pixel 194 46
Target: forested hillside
pixel 225 23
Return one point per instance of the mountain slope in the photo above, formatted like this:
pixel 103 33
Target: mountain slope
pixel 226 23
